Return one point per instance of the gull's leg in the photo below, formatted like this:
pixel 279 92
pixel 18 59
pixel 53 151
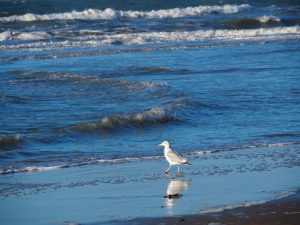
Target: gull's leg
pixel 168 169
pixel 178 171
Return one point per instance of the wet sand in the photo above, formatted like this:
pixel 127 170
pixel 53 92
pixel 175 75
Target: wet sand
pixel 284 211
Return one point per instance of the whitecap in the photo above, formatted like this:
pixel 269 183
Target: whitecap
pixel 37 35
pixel 24 36
pixel 151 116
pixel 6 35
pixel 94 14
pixel 203 35
pixel 136 39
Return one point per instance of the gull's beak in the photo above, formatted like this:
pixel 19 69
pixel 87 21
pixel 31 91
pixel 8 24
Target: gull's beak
pixel 160 145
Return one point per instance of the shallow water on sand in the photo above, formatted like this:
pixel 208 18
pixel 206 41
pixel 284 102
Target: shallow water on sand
pixel 116 192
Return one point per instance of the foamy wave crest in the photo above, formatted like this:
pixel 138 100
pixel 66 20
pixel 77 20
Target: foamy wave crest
pixel 5 35
pixel 10 141
pixel 276 33
pixel 203 35
pixel 24 36
pixel 30 169
pixel 267 19
pixel 151 116
pixel 94 14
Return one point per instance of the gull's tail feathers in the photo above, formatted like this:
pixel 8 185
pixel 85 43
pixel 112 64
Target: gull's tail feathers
pixel 188 163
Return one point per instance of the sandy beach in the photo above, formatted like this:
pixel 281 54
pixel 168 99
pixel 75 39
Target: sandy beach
pixel 285 211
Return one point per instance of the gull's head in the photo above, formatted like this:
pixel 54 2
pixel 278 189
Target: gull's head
pixel 165 144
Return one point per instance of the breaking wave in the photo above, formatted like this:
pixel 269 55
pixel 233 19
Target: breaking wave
pixel 94 14
pixel 275 33
pixel 151 116
pixel 202 35
pixel 24 36
pixel 267 19
pixel 6 35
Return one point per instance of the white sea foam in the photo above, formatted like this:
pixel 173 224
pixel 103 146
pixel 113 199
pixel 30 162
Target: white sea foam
pixel 84 163
pixel 93 161
pixel 30 169
pixel 93 14
pixel 25 36
pixel 5 35
pixel 266 19
pixel 31 35
pixel 202 35
pixel 276 33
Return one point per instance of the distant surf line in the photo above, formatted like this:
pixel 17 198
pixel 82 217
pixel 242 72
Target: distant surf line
pixel 94 14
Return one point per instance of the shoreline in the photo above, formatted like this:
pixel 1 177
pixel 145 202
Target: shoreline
pixel 285 211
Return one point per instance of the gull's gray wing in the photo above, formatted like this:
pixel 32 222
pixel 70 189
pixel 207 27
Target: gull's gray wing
pixel 176 157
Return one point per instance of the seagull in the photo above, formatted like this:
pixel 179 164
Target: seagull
pixel 173 158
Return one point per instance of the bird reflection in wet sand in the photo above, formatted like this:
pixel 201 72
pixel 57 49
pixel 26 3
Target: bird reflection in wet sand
pixel 174 191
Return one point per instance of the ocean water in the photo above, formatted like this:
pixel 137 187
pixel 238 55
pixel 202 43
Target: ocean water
pixel 85 83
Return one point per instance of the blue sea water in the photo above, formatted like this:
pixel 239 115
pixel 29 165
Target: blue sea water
pixel 84 82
